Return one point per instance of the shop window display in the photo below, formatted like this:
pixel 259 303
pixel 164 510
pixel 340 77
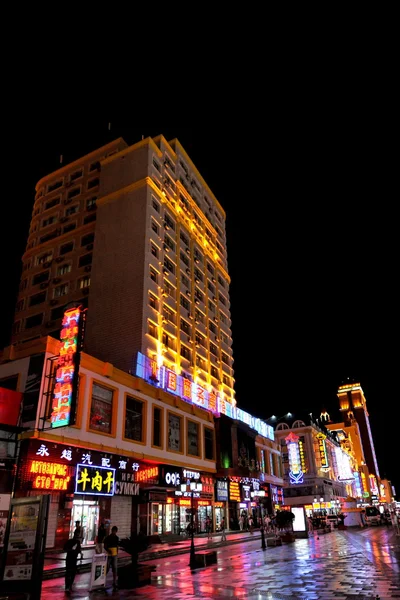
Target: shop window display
pixel 101 409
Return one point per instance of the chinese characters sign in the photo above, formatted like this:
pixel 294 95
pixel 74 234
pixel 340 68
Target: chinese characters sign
pixel 322 452
pixel 94 480
pixel 234 491
pixel 295 473
pixel 63 405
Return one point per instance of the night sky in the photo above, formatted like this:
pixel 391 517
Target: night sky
pixel 308 190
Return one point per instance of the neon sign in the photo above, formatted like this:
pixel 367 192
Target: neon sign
pixel 67 369
pixel 234 491
pixel 296 475
pixel 322 452
pixel 49 476
pixel 146 474
pixel 94 480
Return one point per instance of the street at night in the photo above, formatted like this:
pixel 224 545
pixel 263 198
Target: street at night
pixel 362 563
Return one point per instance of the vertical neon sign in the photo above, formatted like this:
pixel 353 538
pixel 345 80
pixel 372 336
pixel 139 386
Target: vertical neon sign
pixel 296 475
pixel 64 397
pixel 322 452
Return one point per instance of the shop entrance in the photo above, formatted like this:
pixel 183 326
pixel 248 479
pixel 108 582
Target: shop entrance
pixel 164 518
pixel 203 512
pixel 87 512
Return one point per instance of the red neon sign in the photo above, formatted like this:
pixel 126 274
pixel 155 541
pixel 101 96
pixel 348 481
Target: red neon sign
pixel 187 388
pixel 146 474
pixel 67 367
pixel 184 502
pixel 49 476
pixel 212 401
pixel 171 381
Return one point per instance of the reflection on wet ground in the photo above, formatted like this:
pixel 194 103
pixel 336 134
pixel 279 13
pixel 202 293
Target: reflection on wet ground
pixel 342 564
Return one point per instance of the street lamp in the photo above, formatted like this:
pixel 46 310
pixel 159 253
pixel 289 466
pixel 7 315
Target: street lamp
pixel 275 418
pixel 192 487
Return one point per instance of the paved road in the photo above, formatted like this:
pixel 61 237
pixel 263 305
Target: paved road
pixel 342 564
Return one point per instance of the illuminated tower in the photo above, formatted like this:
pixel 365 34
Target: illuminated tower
pixel 353 406
pixel 136 234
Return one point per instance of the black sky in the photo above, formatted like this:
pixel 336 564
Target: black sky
pixel 307 173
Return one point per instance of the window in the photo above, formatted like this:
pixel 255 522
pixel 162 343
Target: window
pixel 65 248
pixel 226 380
pixel 54 186
pixel 20 305
pixel 213 349
pixel 198 316
pixel 169 265
pixel 33 321
pixel 222 299
pixel 16 328
pixel 271 464
pixel 170 290
pixel 23 284
pixel 168 341
pixel 185 352
pixel 184 258
pixel 76 175
pixel 157 427
pixel 156 205
pixel 169 222
pixel 214 372
pixel 193 446
pixel 60 290
pixel 156 165
pixel 185 302
pixel 84 282
pixel 49 236
pixel 52 203
pixel 49 221
pixel 155 227
pixel 185 281
pixel 208 443
pixel 71 210
pixel 69 227
pixel 85 260
pixel 212 327
pixel 169 315
pixel 40 277
pixel 184 238
pixel 200 340
pixel 75 192
pixel 221 281
pixel 92 183
pixel 170 244
pixel 224 338
pixel 87 239
pixel 152 330
pixel 91 203
pixel 211 287
pixel 262 461
pixel 44 258
pixel 134 417
pixel 37 299
pixel 174 432
pixel 199 295
pixel 200 362
pixel 197 256
pixel 154 250
pixel 63 269
pixel 185 327
pixel 89 219
pixel 225 358
pixel 94 166
pixel 101 408
pixel 153 275
pixel 153 301
pixel 57 313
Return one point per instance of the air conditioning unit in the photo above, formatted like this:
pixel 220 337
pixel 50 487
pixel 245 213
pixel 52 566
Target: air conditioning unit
pixel 60 259
pixel 214 280
pixel 188 271
pixel 187 292
pixel 165 271
pixel 88 268
pixel 166 247
pixel 187 251
pixel 89 247
pixel 196 280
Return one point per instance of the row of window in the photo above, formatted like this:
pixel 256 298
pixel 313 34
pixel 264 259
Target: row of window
pixel 183 436
pixel 37 319
pixel 58 291
pixel 70 211
pixel 43 277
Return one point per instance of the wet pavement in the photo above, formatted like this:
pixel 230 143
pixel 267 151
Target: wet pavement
pixel 341 564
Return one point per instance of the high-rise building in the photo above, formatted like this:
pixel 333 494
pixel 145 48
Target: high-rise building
pixel 135 234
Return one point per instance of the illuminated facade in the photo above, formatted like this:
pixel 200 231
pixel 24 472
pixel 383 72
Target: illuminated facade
pixel 317 471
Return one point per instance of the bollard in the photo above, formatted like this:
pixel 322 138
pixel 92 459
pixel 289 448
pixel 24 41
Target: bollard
pixel 263 545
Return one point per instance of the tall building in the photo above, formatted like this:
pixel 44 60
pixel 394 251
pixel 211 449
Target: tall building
pixel 135 234
pixel 354 407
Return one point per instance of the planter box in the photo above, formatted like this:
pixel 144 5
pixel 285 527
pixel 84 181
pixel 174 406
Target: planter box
pixel 288 537
pixel 276 541
pixel 205 558
pixel 130 577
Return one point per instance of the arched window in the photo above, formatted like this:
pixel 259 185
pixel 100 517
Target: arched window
pixel 298 424
pixel 282 426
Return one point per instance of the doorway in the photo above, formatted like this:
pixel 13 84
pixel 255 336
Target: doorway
pixel 87 512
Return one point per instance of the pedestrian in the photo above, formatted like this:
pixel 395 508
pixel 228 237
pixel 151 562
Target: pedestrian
pixel 310 525
pixel 101 534
pixel 251 523
pixel 78 535
pixel 209 528
pixel 72 547
pixel 111 543
pixel 241 522
pixel 267 524
pixel 222 527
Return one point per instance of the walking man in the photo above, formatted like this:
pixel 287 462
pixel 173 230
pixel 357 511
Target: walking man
pixel 111 543
pixel 223 536
pixel 209 528
pixel 78 535
pixel 72 548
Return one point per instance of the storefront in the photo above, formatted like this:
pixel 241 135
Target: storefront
pixel 86 486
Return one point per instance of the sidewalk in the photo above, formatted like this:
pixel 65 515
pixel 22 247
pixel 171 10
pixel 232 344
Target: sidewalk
pixel 54 562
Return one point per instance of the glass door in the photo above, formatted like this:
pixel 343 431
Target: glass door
pixel 87 512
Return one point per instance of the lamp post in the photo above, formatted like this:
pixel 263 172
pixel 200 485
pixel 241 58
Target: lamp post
pixel 192 487
pixel 263 545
